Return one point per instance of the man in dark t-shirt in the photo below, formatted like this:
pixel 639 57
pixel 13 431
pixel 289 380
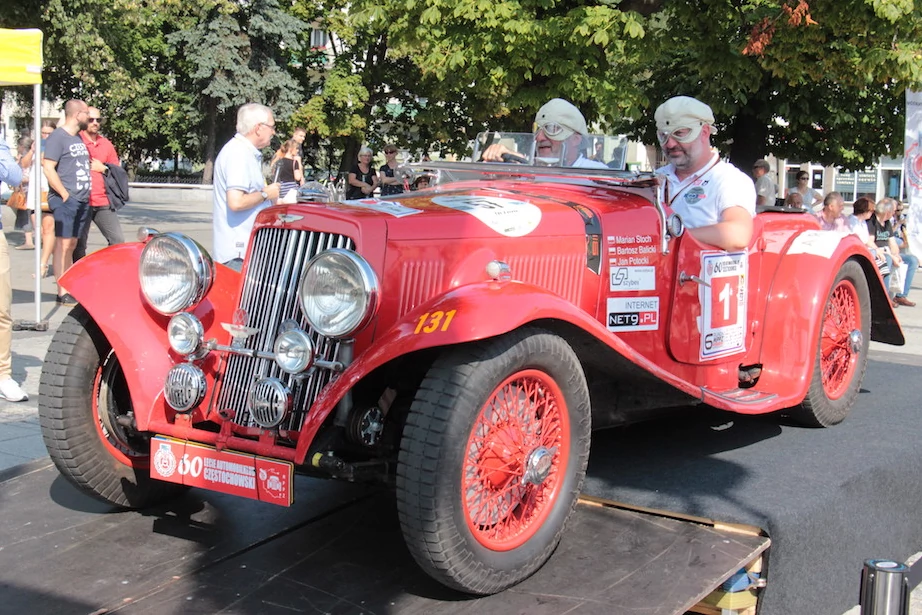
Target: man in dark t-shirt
pixel 66 164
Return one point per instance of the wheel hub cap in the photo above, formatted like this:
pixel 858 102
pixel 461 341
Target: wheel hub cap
pixel 856 340
pixel 538 465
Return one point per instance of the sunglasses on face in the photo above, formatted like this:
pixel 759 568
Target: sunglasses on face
pixel 392 151
pixel 94 120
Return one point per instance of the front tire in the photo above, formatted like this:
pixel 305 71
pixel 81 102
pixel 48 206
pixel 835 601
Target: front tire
pixel 842 352
pixel 82 394
pixel 492 459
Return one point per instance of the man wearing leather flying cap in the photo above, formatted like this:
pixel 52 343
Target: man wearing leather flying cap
pixel 716 200
pixel 560 130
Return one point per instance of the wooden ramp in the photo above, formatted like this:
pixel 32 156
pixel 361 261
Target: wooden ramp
pixel 338 550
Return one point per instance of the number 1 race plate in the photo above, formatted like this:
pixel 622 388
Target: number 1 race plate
pixel 199 465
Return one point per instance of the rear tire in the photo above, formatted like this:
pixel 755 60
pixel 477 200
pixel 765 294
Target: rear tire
pixel 842 351
pixel 492 459
pixel 82 392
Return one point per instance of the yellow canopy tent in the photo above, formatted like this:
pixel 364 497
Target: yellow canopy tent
pixel 21 64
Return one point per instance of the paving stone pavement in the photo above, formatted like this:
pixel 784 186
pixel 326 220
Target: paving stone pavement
pixel 20 435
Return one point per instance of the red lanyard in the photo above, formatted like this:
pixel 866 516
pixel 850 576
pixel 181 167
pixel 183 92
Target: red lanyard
pixel 689 182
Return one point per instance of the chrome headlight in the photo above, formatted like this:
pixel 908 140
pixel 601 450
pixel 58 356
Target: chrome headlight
pixel 339 293
pixel 176 273
pixel 185 333
pixel 294 351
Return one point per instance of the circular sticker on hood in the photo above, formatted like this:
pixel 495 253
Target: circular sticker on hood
pixel 507 217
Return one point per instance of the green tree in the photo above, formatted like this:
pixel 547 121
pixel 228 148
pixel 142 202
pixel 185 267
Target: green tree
pixel 239 53
pixel 114 55
pixel 821 81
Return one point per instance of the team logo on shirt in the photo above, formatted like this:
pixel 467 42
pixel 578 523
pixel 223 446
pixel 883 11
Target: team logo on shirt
pixel 694 194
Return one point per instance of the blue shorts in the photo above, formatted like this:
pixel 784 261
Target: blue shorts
pixel 70 216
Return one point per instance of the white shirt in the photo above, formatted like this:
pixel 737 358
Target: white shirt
pixel 237 167
pixel 702 198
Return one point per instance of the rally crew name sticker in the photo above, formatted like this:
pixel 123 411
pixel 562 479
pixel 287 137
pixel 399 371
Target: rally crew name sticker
pixel 723 303
pixel 507 217
pixel 197 465
pixel 633 314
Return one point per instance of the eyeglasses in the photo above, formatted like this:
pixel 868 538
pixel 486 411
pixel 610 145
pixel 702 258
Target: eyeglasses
pixel 390 151
pixel 802 179
pixel 682 135
pixel 269 126
pixel 94 120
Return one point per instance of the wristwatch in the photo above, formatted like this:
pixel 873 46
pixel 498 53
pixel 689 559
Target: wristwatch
pixel 264 195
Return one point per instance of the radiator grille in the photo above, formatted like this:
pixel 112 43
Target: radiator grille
pixel 270 297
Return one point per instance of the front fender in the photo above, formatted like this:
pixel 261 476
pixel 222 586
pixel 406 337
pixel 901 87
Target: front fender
pixel 794 314
pixel 107 286
pixel 471 313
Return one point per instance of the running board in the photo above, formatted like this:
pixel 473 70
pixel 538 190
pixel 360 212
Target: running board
pixel 748 397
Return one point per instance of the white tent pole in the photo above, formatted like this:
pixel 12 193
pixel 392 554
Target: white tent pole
pixel 36 193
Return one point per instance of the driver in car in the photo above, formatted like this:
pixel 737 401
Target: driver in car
pixel 560 131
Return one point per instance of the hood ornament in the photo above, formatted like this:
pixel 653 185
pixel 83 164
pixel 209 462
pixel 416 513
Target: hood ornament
pixel 289 218
pixel 238 329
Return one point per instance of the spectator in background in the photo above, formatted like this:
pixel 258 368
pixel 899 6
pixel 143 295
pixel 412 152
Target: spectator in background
pixel 880 228
pixel 598 155
pixel 831 217
pixel 26 162
pixel 11 173
pixel 288 171
pixel 299 135
pixel 362 177
pixel 240 190
pixel 809 195
pixel 899 225
pixel 766 191
pixel 24 222
pixel 390 174
pixel 862 210
pixel 421 183
pixel 794 200
pixel 67 166
pixel 102 154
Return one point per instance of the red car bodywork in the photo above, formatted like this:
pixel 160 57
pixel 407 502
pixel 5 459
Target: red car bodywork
pixel 435 263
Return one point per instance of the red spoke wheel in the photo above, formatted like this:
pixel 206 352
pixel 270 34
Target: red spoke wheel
pixel 842 350
pixel 492 459
pixel 85 409
pixel 513 468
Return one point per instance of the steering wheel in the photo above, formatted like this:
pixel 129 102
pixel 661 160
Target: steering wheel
pixel 507 157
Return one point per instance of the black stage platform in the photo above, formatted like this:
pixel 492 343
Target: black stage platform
pixel 829 499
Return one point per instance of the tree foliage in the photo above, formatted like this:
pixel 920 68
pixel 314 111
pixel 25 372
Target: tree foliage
pixel 819 80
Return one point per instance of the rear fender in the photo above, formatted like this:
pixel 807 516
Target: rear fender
pixel 465 314
pixel 794 314
pixel 107 286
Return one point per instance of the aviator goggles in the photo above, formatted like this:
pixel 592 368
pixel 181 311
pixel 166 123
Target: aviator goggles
pixel 683 134
pixel 553 130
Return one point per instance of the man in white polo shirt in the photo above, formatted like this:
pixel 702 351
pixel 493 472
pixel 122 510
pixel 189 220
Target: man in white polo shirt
pixel 716 200
pixel 240 190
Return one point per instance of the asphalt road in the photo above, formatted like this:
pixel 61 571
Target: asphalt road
pixel 20 437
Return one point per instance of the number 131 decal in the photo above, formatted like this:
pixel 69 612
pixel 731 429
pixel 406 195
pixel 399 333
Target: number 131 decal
pixel 723 309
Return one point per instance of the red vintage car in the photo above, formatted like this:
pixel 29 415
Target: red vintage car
pixel 458 343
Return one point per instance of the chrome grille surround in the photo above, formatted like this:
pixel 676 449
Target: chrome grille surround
pixel 269 298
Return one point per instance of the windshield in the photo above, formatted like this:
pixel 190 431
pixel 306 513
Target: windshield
pixel 607 149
